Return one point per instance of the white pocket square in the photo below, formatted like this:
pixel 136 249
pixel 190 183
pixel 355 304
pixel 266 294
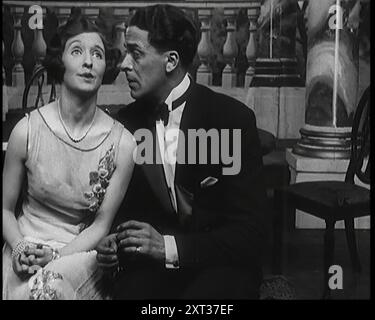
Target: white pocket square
pixel 208 182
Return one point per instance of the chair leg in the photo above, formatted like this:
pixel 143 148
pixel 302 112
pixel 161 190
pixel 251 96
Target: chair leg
pixel 352 244
pixel 329 246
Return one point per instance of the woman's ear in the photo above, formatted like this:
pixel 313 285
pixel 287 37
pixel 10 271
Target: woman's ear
pixel 172 60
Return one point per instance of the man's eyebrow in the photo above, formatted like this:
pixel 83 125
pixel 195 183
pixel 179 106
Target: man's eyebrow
pixel 133 46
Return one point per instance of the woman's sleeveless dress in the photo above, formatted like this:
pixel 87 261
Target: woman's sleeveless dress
pixel 65 187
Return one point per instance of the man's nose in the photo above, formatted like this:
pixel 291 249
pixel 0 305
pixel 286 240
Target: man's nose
pixel 126 63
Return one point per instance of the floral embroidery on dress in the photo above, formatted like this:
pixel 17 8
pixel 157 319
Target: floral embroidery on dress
pixel 99 180
pixel 41 286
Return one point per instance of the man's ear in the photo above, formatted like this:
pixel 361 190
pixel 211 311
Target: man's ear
pixel 173 59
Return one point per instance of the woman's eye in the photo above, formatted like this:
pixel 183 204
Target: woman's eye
pixel 76 52
pixel 98 54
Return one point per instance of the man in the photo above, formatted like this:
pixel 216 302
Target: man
pixel 187 229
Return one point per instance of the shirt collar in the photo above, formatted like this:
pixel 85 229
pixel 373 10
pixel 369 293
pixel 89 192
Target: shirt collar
pixel 177 91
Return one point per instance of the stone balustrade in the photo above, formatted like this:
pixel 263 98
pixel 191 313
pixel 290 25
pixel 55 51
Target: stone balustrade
pixel 121 12
pixel 229 82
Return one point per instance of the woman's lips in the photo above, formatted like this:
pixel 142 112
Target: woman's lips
pixel 88 76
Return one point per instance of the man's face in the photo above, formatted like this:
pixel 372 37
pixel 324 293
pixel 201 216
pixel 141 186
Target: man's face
pixel 143 65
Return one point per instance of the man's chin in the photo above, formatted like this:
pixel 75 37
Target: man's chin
pixel 135 94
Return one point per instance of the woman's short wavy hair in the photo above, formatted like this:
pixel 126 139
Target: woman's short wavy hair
pixel 75 26
pixel 169 29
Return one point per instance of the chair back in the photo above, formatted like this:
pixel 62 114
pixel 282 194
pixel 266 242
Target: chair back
pixel 360 142
pixel 39 76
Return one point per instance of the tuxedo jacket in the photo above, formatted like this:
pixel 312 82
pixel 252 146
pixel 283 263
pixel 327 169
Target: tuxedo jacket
pixel 215 225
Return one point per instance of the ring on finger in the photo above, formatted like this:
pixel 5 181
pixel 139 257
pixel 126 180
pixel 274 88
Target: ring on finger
pixel 138 249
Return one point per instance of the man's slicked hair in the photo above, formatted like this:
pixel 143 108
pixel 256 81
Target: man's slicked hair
pixel 169 29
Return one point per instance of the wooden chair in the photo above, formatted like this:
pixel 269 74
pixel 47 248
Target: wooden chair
pixel 332 200
pixel 39 77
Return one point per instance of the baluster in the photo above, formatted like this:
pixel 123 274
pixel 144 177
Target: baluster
pixel 18 74
pixel 63 15
pixel 230 50
pixel 119 41
pixel 5 93
pixel 251 49
pixel 91 13
pixel 204 74
pixel 122 15
pixel 39 46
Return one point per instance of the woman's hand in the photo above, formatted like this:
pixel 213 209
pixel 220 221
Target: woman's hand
pixel 21 267
pixel 107 254
pixel 39 256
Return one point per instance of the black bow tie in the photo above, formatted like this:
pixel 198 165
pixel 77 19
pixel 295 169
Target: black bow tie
pixel 162 111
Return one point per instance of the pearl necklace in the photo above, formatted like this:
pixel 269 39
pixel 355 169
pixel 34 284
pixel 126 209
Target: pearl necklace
pixel 66 130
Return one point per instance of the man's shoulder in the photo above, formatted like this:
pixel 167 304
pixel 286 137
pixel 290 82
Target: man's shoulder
pixel 130 109
pixel 131 115
pixel 222 105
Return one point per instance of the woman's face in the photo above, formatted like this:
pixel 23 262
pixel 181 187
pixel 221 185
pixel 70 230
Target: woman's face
pixel 84 62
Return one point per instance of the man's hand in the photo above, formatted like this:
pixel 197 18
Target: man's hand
pixel 107 254
pixel 140 239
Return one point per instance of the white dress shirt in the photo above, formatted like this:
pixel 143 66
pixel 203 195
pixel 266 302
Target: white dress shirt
pixel 168 143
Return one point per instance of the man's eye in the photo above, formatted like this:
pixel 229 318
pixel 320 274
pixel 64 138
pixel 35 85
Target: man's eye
pixel 136 54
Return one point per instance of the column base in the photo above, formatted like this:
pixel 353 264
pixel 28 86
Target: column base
pixel 324 142
pixel 304 169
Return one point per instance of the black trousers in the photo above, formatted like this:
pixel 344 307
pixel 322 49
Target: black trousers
pixel 221 282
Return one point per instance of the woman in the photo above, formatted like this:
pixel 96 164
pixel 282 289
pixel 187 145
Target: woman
pixel 78 163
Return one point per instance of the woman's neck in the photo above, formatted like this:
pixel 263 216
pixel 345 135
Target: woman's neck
pixel 77 111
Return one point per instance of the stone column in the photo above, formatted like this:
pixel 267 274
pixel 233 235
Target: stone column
pixel 18 74
pixel 251 49
pixel 230 50
pixel 331 81
pixel 331 98
pixel 204 73
pixel 39 47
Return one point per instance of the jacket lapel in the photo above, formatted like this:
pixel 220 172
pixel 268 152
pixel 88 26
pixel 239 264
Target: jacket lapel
pixel 191 119
pixel 155 174
pixel 186 174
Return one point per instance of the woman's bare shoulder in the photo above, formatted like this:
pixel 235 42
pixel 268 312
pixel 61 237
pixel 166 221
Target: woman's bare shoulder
pixel 18 138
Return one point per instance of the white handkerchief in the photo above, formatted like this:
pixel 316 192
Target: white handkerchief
pixel 208 182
